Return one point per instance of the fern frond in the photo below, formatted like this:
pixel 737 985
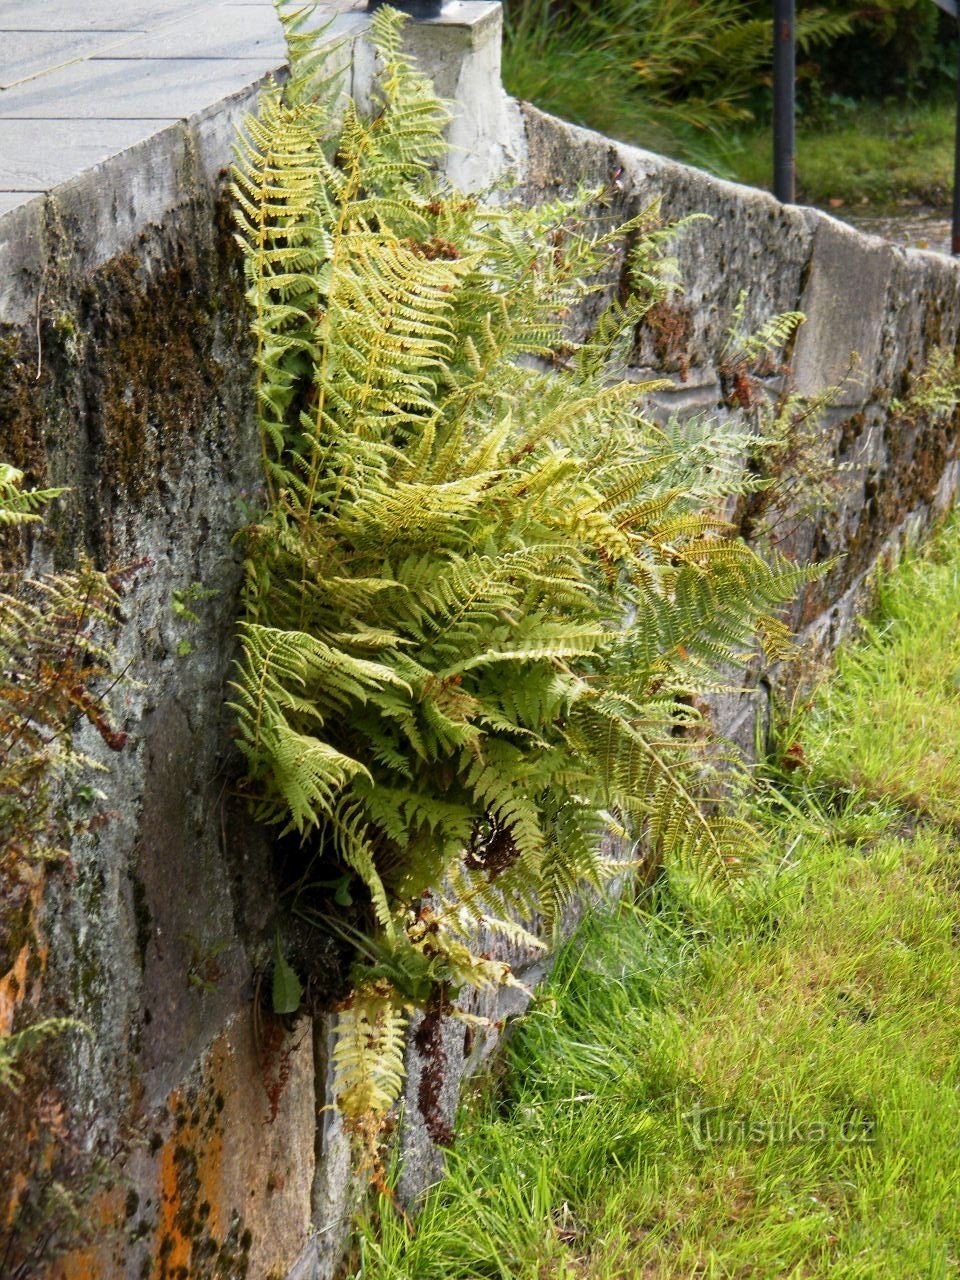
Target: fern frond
pixel 486 585
pixel 368 1060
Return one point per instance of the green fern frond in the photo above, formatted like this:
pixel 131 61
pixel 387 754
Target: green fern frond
pixel 19 505
pixel 486 585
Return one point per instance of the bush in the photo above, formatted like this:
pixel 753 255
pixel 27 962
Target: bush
pixel 659 72
pixel 668 73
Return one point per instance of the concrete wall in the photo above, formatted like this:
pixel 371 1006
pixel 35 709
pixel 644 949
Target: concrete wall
pixel 195 1145
pixel 875 314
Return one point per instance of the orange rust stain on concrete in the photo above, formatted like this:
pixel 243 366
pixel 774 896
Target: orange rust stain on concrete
pixel 191 1172
pixel 13 988
pixel 84 1264
pixel 173 1247
pixel 13 984
pixel 105 1213
pixel 93 1263
pixel 20 1181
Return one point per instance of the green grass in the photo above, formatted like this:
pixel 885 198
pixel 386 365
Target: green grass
pixel 761 1084
pixel 869 156
pixel 889 722
pixel 875 154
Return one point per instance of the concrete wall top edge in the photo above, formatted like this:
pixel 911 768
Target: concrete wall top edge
pixel 106 132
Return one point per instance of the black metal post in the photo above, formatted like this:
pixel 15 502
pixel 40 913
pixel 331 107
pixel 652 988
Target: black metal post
pixel 784 91
pixel 417 9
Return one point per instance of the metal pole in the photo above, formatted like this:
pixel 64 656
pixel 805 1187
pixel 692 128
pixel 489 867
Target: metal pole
pixel 955 234
pixel 784 89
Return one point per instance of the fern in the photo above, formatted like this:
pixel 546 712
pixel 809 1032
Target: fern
pixel 19 505
pixel 14 1046
pixel 484 583
pixel 53 651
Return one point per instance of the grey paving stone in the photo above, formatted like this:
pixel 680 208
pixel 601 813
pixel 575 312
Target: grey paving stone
pixel 214 31
pixel 337 18
pixel 155 89
pixel 28 53
pixel 36 155
pixel 87 15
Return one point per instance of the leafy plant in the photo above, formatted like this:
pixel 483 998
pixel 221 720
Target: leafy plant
pixel 660 72
pixel 933 394
pixel 55 658
pixel 484 583
pixel 287 990
pixel 893 48
pixel 791 454
pixel 51 656
pixel 15 1045
pixel 183 608
pixel 644 1084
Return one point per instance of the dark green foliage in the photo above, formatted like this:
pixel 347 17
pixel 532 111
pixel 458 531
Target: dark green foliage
pixel 669 73
pixel 896 48
pixel 658 72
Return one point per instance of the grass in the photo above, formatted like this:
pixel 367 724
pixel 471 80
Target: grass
pixel 850 155
pixel 890 720
pixel 759 1084
pixel 876 154
pixel 593 84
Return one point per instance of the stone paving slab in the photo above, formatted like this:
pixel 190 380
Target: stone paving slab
pixel 122 89
pixel 82 81
pixel 30 53
pixel 88 15
pixel 227 31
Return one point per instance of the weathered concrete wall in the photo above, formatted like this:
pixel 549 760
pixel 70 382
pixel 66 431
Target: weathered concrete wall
pixel 125 374
pixel 188 1126
pixel 142 404
pixel 875 314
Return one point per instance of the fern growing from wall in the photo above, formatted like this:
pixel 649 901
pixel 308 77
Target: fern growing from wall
pixel 55 671
pixel 483 584
pixel 53 651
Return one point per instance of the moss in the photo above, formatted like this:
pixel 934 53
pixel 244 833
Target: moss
pixel 155 375
pixel 21 408
pixel 917 454
pixel 850 431
pixel 142 363
pixel 65 325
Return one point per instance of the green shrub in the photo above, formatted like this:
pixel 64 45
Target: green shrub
pixel 672 75
pixel 895 48
pixel 659 72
